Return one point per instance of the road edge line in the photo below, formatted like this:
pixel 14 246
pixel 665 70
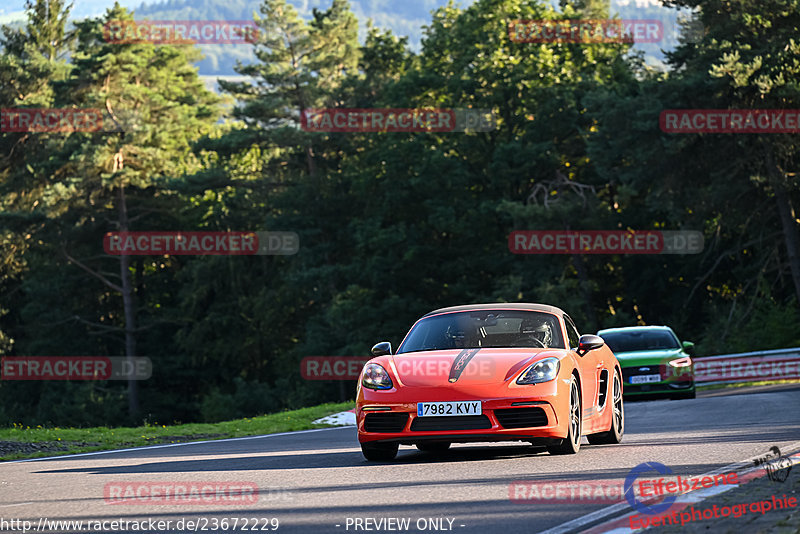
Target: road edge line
pixel 164 446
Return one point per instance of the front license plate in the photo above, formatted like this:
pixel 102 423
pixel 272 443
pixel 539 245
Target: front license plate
pixel 645 379
pixel 439 409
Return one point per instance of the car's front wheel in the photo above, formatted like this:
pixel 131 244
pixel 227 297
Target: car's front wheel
pixel 379 452
pixel 572 443
pixel 434 446
pixel 614 435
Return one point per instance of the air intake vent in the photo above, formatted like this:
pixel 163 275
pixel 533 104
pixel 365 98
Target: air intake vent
pixel 521 417
pixel 385 422
pixel 603 388
pixel 462 422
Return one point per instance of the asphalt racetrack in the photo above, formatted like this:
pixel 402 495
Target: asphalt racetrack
pixel 318 482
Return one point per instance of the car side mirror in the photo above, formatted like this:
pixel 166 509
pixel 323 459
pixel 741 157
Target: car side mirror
pixel 688 348
pixel 382 349
pixel 589 342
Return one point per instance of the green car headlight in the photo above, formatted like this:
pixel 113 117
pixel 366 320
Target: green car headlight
pixel 541 371
pixel 680 368
pixel 681 362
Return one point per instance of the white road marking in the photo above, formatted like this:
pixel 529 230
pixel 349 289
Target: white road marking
pixel 150 447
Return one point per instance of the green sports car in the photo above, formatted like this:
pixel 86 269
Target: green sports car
pixel 654 362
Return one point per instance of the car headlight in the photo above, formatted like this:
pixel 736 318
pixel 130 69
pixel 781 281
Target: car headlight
pixel 681 362
pixel 680 367
pixel 376 377
pixel 541 371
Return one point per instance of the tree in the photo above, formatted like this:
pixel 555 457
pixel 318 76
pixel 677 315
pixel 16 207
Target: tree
pixel 300 65
pixel 32 58
pixel 154 107
pixel 720 183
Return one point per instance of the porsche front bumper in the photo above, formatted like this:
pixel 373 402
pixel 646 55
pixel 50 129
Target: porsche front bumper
pixel 383 417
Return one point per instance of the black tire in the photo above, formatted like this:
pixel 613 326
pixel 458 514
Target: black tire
pixel 614 434
pixel 379 452
pixel 434 446
pixel 572 443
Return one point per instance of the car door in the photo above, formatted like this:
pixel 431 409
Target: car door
pixel 591 365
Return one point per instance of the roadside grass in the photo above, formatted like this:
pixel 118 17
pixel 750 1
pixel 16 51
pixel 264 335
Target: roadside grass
pixel 41 441
pixel 747 384
pixel 60 441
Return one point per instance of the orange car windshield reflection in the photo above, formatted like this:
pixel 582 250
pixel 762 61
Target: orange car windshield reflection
pixel 484 329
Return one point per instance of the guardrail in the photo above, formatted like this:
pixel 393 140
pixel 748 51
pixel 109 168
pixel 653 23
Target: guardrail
pixel 764 365
pixel 759 366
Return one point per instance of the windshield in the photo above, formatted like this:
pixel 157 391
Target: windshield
pixel 483 329
pixel 641 340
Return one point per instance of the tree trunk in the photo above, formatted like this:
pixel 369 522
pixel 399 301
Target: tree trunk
pixel 312 167
pixel 130 310
pixel 788 217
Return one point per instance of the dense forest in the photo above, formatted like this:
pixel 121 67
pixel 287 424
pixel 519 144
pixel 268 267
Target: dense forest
pixel 407 18
pixel 391 225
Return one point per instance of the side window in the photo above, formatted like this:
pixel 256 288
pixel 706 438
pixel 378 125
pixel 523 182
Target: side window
pixel 572 333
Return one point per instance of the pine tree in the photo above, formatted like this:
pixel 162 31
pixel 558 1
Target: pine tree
pixel 300 65
pixel 32 58
pixel 118 179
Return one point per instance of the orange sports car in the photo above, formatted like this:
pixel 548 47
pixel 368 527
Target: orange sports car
pixel 490 372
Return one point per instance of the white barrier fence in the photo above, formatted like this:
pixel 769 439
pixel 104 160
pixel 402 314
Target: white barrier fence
pixel 765 365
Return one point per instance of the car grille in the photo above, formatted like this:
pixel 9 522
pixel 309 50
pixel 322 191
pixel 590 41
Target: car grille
pixel 521 417
pixel 461 422
pixel 385 422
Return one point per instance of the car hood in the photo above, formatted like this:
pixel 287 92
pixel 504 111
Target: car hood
pixel 465 366
pixel 645 357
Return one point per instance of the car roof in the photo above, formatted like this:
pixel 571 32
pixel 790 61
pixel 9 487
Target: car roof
pixel 633 328
pixel 500 305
